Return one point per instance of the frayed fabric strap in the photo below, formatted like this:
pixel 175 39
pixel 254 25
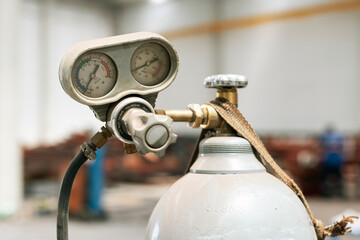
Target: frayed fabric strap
pixel 230 113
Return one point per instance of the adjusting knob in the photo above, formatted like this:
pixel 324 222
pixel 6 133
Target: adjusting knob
pixel 226 81
pixel 150 132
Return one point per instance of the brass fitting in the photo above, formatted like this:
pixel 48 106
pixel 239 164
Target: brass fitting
pixel 211 117
pixel 100 138
pixel 204 116
pixel 198 115
pixel 130 148
pixel 228 93
pixel 178 115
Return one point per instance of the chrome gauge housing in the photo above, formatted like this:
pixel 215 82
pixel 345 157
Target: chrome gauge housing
pixel 102 71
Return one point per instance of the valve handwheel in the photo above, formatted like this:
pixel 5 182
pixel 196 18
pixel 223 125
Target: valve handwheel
pixel 226 81
pixel 150 132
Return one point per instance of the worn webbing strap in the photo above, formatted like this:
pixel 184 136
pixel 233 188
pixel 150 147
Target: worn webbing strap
pixel 235 119
pixel 195 152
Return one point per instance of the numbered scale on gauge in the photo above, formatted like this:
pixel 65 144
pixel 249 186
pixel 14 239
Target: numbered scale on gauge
pixel 94 75
pixel 150 64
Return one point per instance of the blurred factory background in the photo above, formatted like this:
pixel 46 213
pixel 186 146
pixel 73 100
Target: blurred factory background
pixel 302 59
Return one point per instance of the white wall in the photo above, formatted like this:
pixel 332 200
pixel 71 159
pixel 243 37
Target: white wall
pixel 10 156
pixel 166 16
pixel 69 23
pixel 303 74
pixel 230 9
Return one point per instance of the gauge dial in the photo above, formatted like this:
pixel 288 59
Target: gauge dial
pixel 94 75
pixel 150 64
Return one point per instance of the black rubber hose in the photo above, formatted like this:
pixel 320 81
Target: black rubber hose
pixel 64 196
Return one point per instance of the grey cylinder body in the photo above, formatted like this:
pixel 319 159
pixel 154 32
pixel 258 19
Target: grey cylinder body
pixel 229 195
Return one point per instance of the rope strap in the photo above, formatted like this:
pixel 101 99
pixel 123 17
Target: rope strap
pixel 230 113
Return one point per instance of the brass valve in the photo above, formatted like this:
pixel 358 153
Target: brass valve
pixel 135 122
pixel 205 116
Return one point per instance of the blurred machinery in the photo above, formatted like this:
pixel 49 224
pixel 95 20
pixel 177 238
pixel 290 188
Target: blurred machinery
pixel 300 157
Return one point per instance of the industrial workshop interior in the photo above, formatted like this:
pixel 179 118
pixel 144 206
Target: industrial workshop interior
pixel 179 119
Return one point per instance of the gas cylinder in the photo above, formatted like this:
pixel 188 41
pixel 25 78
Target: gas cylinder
pixel 228 195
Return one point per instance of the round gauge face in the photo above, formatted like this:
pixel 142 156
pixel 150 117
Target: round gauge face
pixel 150 64
pixel 94 75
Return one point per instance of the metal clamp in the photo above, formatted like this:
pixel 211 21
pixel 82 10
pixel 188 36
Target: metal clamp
pixel 88 151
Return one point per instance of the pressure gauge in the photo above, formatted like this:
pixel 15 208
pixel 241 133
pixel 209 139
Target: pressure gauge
pixel 150 64
pixel 100 72
pixel 94 74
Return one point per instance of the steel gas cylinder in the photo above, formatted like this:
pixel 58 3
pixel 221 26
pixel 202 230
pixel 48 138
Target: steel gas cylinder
pixel 229 195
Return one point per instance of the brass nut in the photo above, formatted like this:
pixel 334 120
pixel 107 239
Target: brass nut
pixel 130 148
pixel 106 132
pixel 99 140
pixel 198 113
pixel 213 119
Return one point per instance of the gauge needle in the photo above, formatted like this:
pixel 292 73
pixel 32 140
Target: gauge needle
pixel 92 76
pixel 147 63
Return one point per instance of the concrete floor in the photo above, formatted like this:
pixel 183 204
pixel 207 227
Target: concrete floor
pixel 129 207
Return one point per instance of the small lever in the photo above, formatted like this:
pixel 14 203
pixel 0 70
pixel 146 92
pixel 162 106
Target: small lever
pixel 150 132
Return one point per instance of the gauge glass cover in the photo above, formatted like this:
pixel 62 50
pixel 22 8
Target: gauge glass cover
pixel 94 74
pixel 150 64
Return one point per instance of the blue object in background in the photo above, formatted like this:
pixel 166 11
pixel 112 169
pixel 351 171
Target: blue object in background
pixel 332 143
pixel 96 182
